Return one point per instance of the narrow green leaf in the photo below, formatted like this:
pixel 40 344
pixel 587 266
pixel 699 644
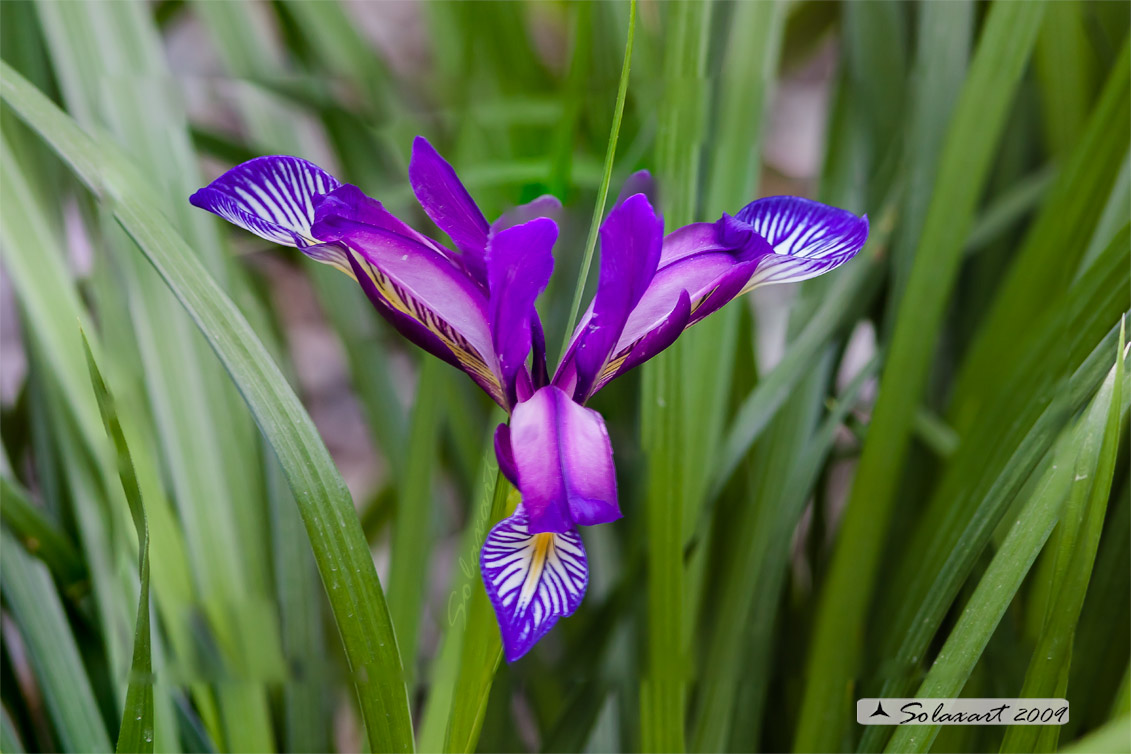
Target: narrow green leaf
pixel 764 526
pixel 969 149
pixel 136 731
pixel 1010 207
pixel 1080 526
pixel 114 76
pixel 51 649
pixel 445 674
pixel 1082 444
pixel 412 530
pixel 10 742
pixel 606 177
pixel 846 299
pixel 989 469
pixel 1054 244
pixel 678 155
pixel 482 647
pixel 1065 64
pixel 936 79
pixel 1110 739
pixel 732 170
pixel 306 718
pixel 341 551
pixel 1116 214
pixel 41 536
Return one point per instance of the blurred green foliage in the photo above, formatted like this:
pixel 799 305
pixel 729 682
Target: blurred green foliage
pixel 908 477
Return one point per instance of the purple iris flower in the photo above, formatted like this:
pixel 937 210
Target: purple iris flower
pixel 475 308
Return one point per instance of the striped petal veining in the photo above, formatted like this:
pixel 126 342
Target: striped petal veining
pixel 532 580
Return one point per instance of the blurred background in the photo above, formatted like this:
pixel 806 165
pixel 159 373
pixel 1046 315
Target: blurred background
pixel 907 476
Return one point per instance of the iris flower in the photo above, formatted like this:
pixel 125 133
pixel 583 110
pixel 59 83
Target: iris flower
pixel 474 307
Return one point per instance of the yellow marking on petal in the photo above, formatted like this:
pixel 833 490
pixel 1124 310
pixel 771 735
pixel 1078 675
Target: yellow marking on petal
pixel 541 546
pixel 346 268
pixel 469 358
pixel 702 299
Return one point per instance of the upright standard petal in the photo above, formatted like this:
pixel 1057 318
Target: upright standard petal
pixel 640 182
pixel 564 463
pixel 446 201
pixel 631 240
pixel 273 197
pixel 427 296
pixel 702 266
pixel 519 263
pixel 532 578
pixel 808 238
pixel 546 205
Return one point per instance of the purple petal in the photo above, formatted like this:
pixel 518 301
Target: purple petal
pixel 564 462
pixel 640 182
pixel 538 371
pixel 446 201
pixel 699 268
pixel 273 197
pixel 727 235
pixel 405 324
pixel 519 263
pixel 702 267
pixel 348 202
pixel 631 240
pixel 652 343
pixel 808 238
pixel 723 290
pixel 546 205
pixel 419 284
pixel 532 579
pixel 504 454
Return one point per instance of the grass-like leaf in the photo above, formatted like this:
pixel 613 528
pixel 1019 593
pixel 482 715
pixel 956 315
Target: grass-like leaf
pixel 136 731
pixel 51 649
pixel 1081 524
pixel 979 117
pixel 41 537
pixel 1079 449
pixel 336 536
pixel 662 422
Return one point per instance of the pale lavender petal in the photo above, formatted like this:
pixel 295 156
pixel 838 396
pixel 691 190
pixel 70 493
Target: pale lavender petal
pixel 351 203
pixel 546 205
pixel 640 182
pixel 564 462
pixel 446 201
pixel 406 324
pixel 705 263
pixel 420 284
pixel 727 235
pixel 808 238
pixel 651 343
pixel 723 291
pixel 519 263
pixel 631 239
pixel 273 197
pixel 532 579
pixel 699 274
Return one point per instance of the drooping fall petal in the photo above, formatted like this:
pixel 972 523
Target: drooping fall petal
pixel 274 198
pixel 564 463
pixel 808 238
pixel 532 579
pixel 417 283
